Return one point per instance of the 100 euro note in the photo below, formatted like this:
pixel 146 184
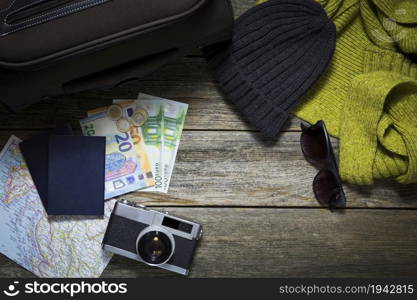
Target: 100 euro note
pixel 124 172
pixel 137 138
pixel 173 123
pixel 151 134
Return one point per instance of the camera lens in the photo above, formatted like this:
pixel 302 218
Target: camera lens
pixel 154 247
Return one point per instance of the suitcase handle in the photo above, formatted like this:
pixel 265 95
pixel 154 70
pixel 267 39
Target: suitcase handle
pixel 122 74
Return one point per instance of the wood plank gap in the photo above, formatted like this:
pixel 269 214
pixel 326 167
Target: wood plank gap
pixel 186 130
pixel 284 207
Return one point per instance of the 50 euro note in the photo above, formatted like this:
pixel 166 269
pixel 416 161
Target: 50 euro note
pixel 136 136
pixel 151 135
pixel 124 172
pixel 172 124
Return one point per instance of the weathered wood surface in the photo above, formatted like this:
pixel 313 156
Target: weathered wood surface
pixel 245 242
pixel 210 113
pixel 190 81
pixel 232 168
pixel 252 195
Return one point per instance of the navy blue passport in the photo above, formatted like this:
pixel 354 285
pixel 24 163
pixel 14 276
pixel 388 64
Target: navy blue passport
pixel 68 172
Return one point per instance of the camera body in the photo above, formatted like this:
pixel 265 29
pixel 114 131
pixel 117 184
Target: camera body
pixel 155 238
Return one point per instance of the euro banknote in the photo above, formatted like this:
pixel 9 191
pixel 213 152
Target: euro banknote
pixel 137 138
pixel 124 172
pixel 174 118
pixel 172 125
pixel 151 134
pixel 168 125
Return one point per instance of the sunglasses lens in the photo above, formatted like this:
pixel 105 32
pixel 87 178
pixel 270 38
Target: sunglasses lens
pixel 314 144
pixel 327 190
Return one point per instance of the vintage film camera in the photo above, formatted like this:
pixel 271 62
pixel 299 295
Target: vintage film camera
pixel 155 238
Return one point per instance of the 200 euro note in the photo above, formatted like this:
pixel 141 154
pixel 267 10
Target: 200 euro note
pixel 137 138
pixel 124 172
pixel 151 133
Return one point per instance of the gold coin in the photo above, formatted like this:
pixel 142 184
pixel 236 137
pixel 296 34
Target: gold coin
pixel 139 117
pixel 115 112
pixel 123 125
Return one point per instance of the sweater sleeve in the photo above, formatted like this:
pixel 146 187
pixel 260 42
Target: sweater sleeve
pixel 391 24
pixel 378 128
pixel 377 105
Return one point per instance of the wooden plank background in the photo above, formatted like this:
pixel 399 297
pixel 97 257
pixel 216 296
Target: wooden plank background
pixel 253 195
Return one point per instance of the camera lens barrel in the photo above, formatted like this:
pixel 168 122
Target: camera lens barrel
pixel 155 246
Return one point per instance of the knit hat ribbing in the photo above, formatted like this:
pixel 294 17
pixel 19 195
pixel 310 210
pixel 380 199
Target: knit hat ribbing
pixel 279 50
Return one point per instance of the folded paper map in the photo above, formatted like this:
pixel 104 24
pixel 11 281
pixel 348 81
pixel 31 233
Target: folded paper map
pixel 48 247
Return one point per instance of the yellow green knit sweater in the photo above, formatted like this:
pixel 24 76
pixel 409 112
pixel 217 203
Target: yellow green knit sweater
pixel 368 96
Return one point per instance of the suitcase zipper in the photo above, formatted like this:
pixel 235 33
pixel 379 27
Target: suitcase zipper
pixel 94 45
pixel 35 10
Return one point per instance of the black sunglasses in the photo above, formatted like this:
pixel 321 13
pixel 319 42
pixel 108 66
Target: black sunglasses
pixel 318 150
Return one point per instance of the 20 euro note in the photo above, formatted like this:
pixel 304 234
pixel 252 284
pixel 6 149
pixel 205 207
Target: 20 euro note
pixel 123 170
pixel 151 133
pixel 137 138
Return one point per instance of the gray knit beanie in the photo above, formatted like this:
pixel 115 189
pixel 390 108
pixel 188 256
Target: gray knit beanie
pixel 279 50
